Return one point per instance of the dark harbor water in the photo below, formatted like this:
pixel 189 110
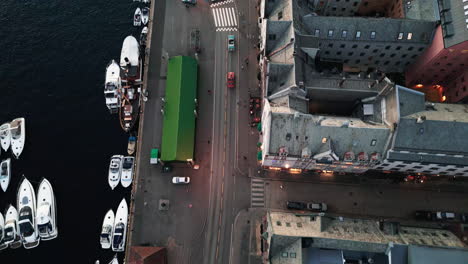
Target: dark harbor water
pixel 52 68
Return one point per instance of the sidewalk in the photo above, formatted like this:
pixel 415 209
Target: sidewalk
pixel 246 237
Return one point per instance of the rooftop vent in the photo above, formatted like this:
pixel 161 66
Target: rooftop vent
pixel 368 109
pixel 345 124
pixel 420 119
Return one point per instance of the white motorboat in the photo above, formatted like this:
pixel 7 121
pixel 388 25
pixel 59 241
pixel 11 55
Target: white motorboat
pixel 120 227
pixel 127 171
pixel 145 15
pixel 18 135
pixel 130 59
pixel 114 260
pixel 144 36
pixel 146 1
pixel 115 169
pixel 5 174
pixel 46 211
pixel 2 233
pixel 107 230
pixel 12 236
pixel 131 145
pixel 137 17
pixel 26 204
pixel 112 86
pixel 5 136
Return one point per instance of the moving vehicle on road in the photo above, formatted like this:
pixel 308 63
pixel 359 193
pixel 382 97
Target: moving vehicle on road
pixel 180 180
pixel 231 43
pixel 154 156
pixel 231 80
pixel 319 207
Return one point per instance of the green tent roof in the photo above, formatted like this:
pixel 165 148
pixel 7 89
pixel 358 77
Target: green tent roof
pixel 178 138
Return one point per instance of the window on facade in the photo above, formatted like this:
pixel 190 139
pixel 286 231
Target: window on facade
pixel 327 52
pixel 410 48
pixel 400 35
pixel 377 62
pixel 317 32
pixel 372 35
pixel 386 62
pixel 410 36
pixel 338 53
pixel 344 33
pixel 451 169
pixel 414 56
pixel 427 171
pixel 404 55
pixel 398 48
pixel 292 255
pixel 362 54
pixel 367 46
pixel 330 33
pixel 387 47
pixel 284 254
pixel 401 166
pixel 358 34
pixel 375 51
pixel 271 37
pixel 342 46
pixel 280 15
pixel 410 170
pixel 382 54
pixel 421 49
pixel 354 46
pixel 350 53
pixel 397 63
pixel 392 55
pixel 358 61
pixel 346 61
pixel 324 140
pixel 330 45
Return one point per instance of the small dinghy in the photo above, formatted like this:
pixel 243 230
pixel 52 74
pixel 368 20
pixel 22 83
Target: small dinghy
pixel 26 201
pixel 12 236
pixel 107 230
pixel 46 211
pixel 2 233
pixel 120 227
pixel 144 15
pixel 131 145
pixel 18 135
pixel 5 173
pixel 137 17
pixel 127 171
pixel 143 36
pixel 115 169
pixel 5 136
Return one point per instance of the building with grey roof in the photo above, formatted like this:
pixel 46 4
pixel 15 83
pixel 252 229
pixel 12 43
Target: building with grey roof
pixel 324 114
pixel 293 238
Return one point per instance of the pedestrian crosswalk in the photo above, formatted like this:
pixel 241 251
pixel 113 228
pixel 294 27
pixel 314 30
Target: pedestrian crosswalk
pixel 257 193
pixel 225 18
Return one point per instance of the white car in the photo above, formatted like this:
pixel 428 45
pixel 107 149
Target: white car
pixel 180 180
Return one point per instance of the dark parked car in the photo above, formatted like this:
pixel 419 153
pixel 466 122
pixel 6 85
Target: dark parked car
pixel 319 207
pixel 296 205
pixel 424 215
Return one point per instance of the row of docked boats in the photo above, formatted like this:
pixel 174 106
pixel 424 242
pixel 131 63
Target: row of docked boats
pixel 121 171
pixel 33 220
pixel 114 228
pixel 13 135
pixel 122 87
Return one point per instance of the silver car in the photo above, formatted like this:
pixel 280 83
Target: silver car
pixel 180 180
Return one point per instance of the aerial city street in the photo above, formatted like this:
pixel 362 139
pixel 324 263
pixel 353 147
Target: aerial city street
pixel 295 131
pixel 251 132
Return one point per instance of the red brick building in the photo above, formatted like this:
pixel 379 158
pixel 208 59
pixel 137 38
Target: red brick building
pixel 148 255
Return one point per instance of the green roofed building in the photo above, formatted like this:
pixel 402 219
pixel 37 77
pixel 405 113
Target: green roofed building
pixel 178 138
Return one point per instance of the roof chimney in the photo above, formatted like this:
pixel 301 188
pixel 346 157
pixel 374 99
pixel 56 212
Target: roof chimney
pixel 420 119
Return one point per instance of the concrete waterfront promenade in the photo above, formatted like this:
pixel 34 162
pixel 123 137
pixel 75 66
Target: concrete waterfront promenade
pixel 198 227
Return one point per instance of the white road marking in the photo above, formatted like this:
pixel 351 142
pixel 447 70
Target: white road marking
pixel 234 16
pixel 215 17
